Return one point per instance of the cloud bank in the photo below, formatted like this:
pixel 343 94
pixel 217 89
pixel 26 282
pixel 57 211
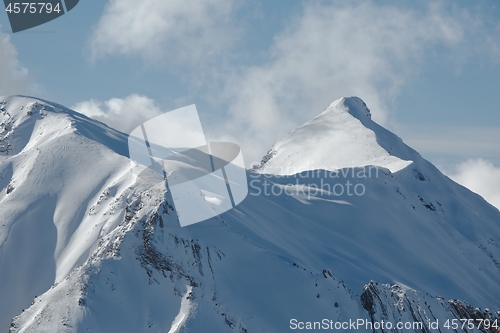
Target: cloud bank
pixel 182 31
pixel 14 79
pixel 480 176
pixel 123 114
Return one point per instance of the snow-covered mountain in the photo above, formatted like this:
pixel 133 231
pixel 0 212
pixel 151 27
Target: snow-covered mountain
pixel 379 234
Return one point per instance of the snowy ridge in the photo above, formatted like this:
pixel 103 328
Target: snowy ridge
pixel 103 251
pixel 343 136
pixel 49 176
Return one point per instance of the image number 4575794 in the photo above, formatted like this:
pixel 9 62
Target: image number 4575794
pixel 28 14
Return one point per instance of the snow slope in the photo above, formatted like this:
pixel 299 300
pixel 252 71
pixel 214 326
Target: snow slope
pixel 53 172
pixel 105 253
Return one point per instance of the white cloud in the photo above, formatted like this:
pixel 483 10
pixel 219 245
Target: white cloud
pixel 14 79
pixel 480 176
pixel 122 114
pixel 180 30
pixel 328 52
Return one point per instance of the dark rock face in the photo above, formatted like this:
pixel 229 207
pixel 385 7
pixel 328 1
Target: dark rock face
pixel 394 304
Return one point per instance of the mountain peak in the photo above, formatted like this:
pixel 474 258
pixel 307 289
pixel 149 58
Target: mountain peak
pixel 353 105
pixel 342 136
pixel 18 106
pixel 27 122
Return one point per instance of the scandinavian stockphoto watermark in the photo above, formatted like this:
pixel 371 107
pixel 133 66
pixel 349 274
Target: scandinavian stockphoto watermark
pixel 319 181
pixel 464 324
pixel 25 15
pixel 205 178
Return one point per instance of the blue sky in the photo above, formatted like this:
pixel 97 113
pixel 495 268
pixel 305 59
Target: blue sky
pixel 430 71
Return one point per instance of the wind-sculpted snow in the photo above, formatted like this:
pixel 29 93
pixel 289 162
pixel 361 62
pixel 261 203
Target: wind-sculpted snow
pixel 104 251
